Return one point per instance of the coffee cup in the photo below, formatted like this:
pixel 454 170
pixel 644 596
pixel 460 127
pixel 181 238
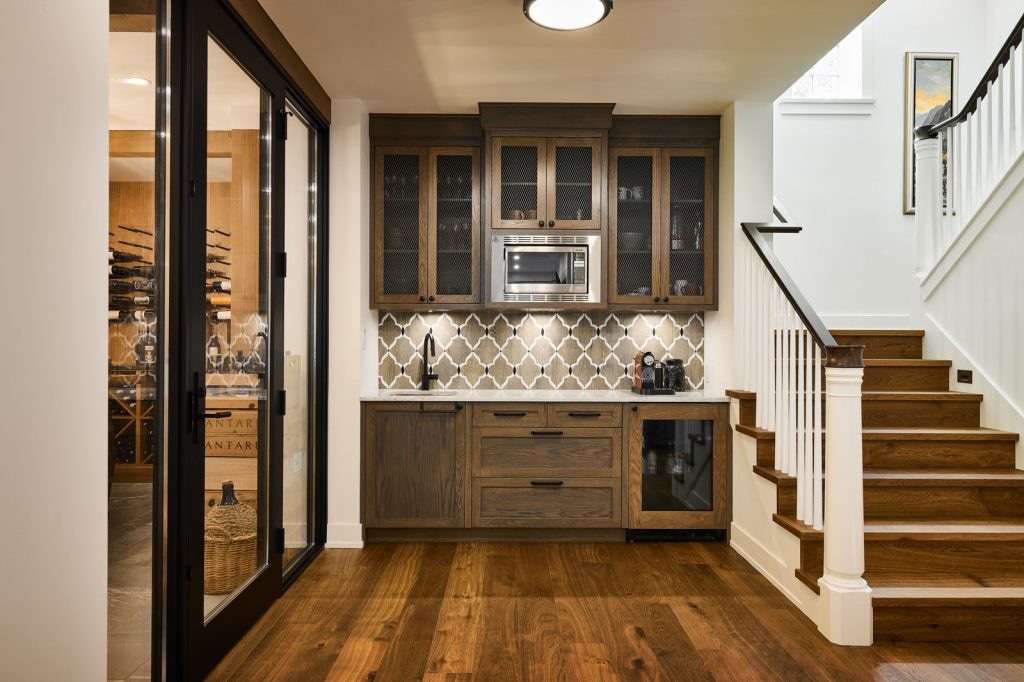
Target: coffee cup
pixel 678 287
pixel 625 194
pixel 638 192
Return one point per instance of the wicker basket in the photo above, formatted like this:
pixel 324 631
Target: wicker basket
pixel 230 556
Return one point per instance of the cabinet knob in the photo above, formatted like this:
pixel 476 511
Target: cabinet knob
pixel 551 223
pixel 634 408
pixel 431 298
pixel 458 406
pixel 422 299
pixel 657 300
pixel 540 223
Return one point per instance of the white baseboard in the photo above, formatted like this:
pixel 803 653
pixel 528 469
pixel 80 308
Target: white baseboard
pixel 775 570
pixel 867 321
pixel 344 536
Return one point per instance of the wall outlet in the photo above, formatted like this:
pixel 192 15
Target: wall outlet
pixel 964 376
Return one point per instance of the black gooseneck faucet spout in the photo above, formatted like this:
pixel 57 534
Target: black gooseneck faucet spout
pixel 427 376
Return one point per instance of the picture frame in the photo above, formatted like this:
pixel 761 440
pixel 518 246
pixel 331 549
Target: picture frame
pixel 930 96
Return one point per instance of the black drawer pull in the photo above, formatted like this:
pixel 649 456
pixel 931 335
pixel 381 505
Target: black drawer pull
pixel 216 415
pixel 546 433
pixel 546 482
pixel 509 414
pixel 585 415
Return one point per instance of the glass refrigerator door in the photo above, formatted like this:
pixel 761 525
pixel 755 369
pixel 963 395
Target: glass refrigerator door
pixel 678 465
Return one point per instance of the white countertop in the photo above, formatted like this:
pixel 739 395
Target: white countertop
pixel 546 396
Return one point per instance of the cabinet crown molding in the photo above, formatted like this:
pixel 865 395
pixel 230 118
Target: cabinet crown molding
pixel 545 115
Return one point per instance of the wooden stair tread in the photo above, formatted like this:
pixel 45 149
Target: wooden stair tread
pixel 877 332
pixel 900 581
pixel 944 477
pixel 973 530
pixel 906 362
pixel 949 596
pixel 919 433
pixel 948 396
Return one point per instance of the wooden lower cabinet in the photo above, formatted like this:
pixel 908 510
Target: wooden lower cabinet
pixel 414 465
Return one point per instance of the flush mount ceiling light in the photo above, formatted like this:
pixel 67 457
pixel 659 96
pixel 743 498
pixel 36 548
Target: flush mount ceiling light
pixel 136 80
pixel 566 15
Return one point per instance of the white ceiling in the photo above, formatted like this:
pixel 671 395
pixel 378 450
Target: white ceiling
pixel 648 56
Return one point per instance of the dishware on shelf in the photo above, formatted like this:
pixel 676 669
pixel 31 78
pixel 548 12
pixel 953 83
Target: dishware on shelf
pixel 642 291
pixel 531 214
pixel 678 287
pixel 632 241
pixel 625 194
pixel 638 193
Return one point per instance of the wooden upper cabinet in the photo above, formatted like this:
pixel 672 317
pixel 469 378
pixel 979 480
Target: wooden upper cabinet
pixel 662 228
pixel 546 182
pixel 426 236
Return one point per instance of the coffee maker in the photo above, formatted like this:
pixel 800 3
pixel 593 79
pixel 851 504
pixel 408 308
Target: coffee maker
pixel 649 376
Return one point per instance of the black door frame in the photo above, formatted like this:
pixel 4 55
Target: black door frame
pixel 188 648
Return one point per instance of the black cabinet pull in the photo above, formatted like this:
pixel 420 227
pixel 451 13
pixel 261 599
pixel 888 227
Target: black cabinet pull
pixel 540 223
pixel 422 299
pixel 546 482
pixel 458 406
pixel 431 298
pixel 216 415
pixel 551 223
pixel 509 414
pixel 585 415
pixel 546 433
pixel 634 408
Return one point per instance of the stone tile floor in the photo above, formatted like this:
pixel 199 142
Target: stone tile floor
pixel 129 581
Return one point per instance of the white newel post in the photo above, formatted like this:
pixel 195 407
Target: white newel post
pixel 846 616
pixel 928 200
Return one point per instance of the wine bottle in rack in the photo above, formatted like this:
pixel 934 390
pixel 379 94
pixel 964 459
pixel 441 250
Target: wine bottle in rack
pixel 144 316
pixel 115 256
pixel 214 354
pixel 216 258
pixel 220 300
pixel 126 302
pixel 117 287
pixel 219 315
pixel 214 274
pixel 124 273
pixel 223 285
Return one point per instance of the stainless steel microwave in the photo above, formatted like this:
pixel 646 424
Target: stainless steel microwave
pixel 542 268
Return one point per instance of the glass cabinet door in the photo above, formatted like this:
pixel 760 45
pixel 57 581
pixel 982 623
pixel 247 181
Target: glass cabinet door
pixel 687 226
pixel 519 169
pixel 400 218
pixel 677 467
pixel 573 193
pixel 633 198
pixel 454 225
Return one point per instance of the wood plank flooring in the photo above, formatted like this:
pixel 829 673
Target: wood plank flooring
pixel 562 611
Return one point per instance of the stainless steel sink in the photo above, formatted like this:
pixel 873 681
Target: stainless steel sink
pixel 423 393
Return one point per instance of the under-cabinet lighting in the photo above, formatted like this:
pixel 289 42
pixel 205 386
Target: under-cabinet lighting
pixel 566 15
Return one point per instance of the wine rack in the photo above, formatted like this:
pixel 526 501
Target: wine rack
pixel 132 351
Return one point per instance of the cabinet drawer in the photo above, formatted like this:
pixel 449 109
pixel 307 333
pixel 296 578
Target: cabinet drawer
pixel 547 502
pixel 584 414
pixel 509 414
pixel 547 452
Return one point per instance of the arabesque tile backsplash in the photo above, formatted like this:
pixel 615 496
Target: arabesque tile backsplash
pixel 567 350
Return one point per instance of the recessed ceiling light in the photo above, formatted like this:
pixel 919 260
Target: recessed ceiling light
pixel 566 15
pixel 136 80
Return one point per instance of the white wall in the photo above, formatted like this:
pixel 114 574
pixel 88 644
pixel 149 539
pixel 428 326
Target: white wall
pixel 353 326
pixel 840 176
pixel 1003 15
pixel 53 349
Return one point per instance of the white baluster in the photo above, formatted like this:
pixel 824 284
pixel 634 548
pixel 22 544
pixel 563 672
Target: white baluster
pixel 1011 106
pixel 819 489
pixel 787 390
pixel 808 388
pixel 957 164
pixel 802 510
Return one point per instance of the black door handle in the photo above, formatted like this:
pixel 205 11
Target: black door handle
pixel 509 414
pixel 540 223
pixel 217 415
pixel 551 223
pixel 585 415
pixel 546 433
pixel 546 482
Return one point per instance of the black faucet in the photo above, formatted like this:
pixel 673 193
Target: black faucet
pixel 427 377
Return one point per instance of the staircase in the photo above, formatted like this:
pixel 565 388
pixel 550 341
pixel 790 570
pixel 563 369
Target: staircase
pixel 943 503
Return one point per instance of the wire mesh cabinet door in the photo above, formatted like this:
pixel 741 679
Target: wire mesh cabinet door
pixel 519 176
pixel 573 183
pixel 454 225
pixel 400 225
pixel 687 230
pixel 633 226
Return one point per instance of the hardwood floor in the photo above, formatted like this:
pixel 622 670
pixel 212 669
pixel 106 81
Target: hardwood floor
pixel 548 611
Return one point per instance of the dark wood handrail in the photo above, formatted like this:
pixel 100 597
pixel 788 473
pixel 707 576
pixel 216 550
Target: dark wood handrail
pixel 836 355
pixel 1001 59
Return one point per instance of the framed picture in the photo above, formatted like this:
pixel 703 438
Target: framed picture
pixel 931 80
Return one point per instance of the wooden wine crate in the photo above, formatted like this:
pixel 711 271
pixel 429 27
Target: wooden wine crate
pixel 236 435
